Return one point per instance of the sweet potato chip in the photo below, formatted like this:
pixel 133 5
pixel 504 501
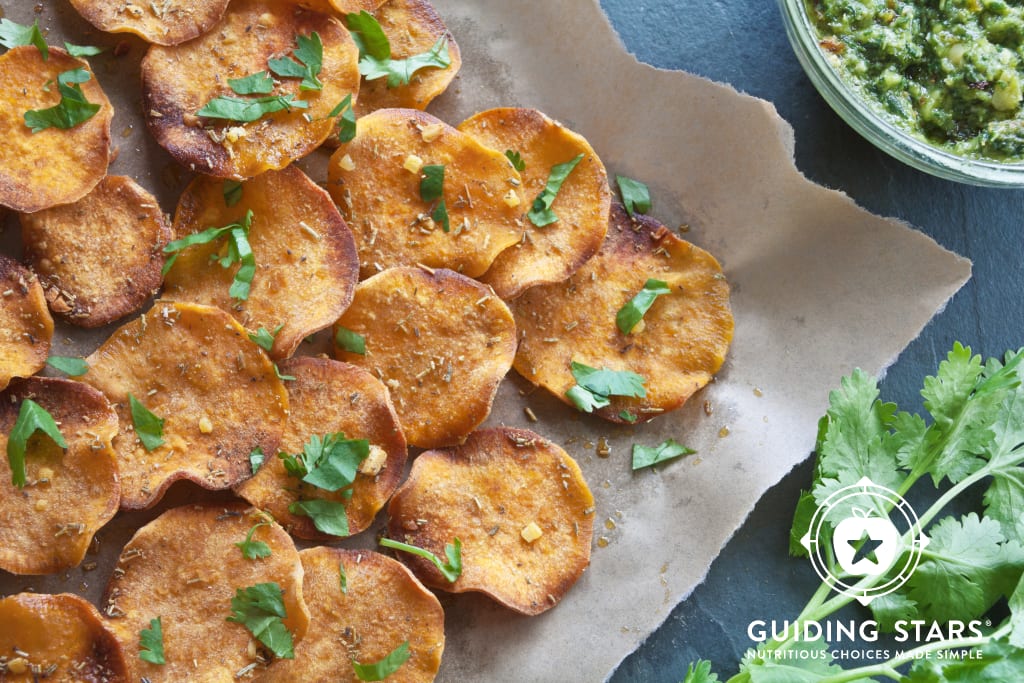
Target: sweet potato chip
pixel 376 181
pixel 179 81
pixel 184 568
pixel 53 166
pixel 25 324
pixel 99 258
pixel 518 504
pixel 677 346
pixel 59 638
pixel 167 22
pixel 413 27
pixel 217 393
pixel 69 493
pixel 381 606
pixel 554 252
pixel 306 265
pixel 329 397
pixel 349 6
pixel 440 341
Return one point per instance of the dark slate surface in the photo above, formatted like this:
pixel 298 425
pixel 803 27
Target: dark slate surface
pixel 744 43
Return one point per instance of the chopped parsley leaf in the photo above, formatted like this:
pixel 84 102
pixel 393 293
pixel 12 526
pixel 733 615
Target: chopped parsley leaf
pixel 594 388
pixel 248 110
pixel 82 50
pixel 74 367
pixel 256 458
pixel 451 569
pixel 261 609
pixel 347 122
pixel 329 516
pixel 633 311
pixel 540 213
pixel 72 109
pixel 628 416
pixel 239 251
pixel 283 378
pixel 375 52
pixel 32 417
pixel 251 549
pixel 148 427
pixel 431 189
pixel 13 34
pixel 440 215
pixel 151 643
pixel 379 671
pixel 350 341
pixel 259 83
pixel 264 339
pixel 635 195
pixel 310 56
pixel 516 160
pixel 232 192
pixel 331 463
pixel 644 456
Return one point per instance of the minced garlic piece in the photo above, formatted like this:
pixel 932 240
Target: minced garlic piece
pixel 346 163
pixel 17 666
pixel 45 473
pixel 374 462
pixel 511 198
pixel 413 163
pixel 432 132
pixel 41 505
pixel 531 532
pixel 638 328
pixel 205 425
pixel 234 133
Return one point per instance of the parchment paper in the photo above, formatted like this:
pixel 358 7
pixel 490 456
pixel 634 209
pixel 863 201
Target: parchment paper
pixel 819 287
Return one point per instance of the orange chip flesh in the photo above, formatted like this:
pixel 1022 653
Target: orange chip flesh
pixel 184 567
pixel 680 344
pixel 350 6
pixel 26 327
pixel 166 23
pixel 178 81
pixel 306 264
pixel 194 367
pixel 99 258
pixel 61 632
pixel 383 606
pixel 412 28
pixel 380 198
pixel 488 493
pixel 53 166
pixel 328 397
pixel 554 252
pixel 440 341
pixel 47 525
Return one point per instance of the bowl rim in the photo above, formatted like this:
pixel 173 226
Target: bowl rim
pixel 852 108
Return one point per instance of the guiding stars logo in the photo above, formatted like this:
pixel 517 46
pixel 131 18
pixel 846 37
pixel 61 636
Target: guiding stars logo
pixel 868 531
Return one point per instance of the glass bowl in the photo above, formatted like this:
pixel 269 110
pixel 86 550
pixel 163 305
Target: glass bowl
pixel 883 134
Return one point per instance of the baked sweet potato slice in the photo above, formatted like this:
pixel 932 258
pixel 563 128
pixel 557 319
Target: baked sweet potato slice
pixel 53 166
pixel 412 27
pixel 218 395
pixel 382 606
pixel 329 397
pixel 440 341
pixel 185 568
pixel 26 327
pixel 99 258
pixel 518 504
pixel 349 6
pixel 69 493
pixel 167 22
pixel 679 344
pixel 179 81
pixel 376 181
pixel 59 638
pixel 554 252
pixel 306 264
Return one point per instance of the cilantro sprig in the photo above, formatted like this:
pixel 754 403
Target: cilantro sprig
pixel 516 159
pixel 238 251
pixel 451 569
pixel 330 463
pixel 253 550
pixel 32 418
pixel 594 388
pixel 632 312
pixel 540 213
pixel 261 610
pixel 305 62
pixel 151 642
pixel 74 108
pixel 375 52
pixel 380 670
pixel 264 338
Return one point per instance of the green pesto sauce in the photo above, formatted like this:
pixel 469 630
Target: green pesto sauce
pixel 946 71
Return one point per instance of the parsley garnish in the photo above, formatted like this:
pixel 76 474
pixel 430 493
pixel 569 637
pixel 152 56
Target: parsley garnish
pixel 232 190
pixel 540 213
pixel 82 50
pixel 72 109
pixel 264 339
pixel 259 83
pixel 32 417
pixel 431 189
pixel 329 517
pixel 74 367
pixel 13 35
pixel 342 578
pixel 246 111
pixel 451 569
pixel 283 378
pixel 635 195
pixel 239 251
pixel 347 122
pixel 260 609
pixel 594 387
pixel 700 672
pixel 633 311
pixel 148 427
pixel 256 458
pixel 378 671
pixel 151 643
pixel 516 160
pixel 331 463
pixel 644 456
pixel 251 549
pixel 628 416
pixel 310 56
pixel 350 341
pixel 375 52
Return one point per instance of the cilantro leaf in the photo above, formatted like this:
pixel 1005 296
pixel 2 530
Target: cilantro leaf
pixel 239 251
pixel 806 662
pixel 261 609
pixel 32 417
pixel 670 449
pixel 256 458
pixel 72 109
pixel 996 660
pixel 264 339
pixel 283 378
pixel 13 35
pixel 892 607
pixel 633 311
pixel 333 461
pixel 329 517
pixel 628 416
pixel 440 215
pixel 251 549
pixel 259 83
pixel 369 37
pixel 380 670
pixel 82 50
pixel 232 190
pixel 350 341
pixel 636 198
pixel 432 182
pixel 700 672
pixel 248 110
pixel 74 367
pixel 595 387
pixel 310 56
pixel 151 643
pixel 1016 603
pixel 148 427
pixel 516 160
pixel 540 214
pixel 802 517
pixel 347 122
pixel 375 52
pixel 451 569
pixel 586 401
